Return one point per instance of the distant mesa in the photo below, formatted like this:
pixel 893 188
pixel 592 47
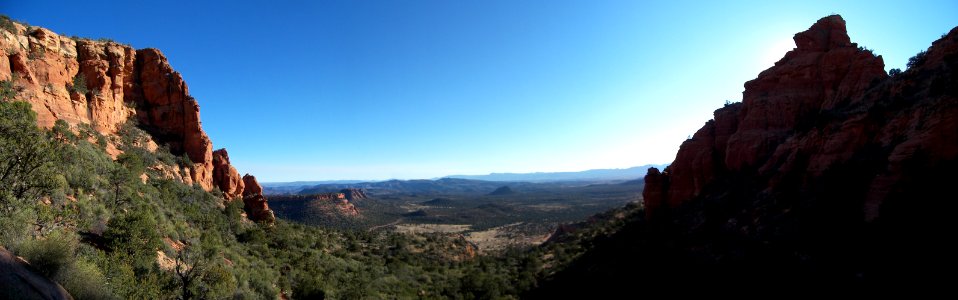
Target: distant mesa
pixel 354 193
pixel 503 190
pixel 349 194
pixel 328 196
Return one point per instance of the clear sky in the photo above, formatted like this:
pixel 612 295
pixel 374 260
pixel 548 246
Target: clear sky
pixel 316 90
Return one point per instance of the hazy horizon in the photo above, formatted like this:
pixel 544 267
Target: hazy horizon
pixel 457 174
pixel 409 90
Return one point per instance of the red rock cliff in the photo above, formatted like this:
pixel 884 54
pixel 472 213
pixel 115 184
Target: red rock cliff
pixel 104 84
pixel 256 207
pixel 824 103
pixel 225 176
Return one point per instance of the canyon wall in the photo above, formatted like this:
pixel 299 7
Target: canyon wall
pixel 104 84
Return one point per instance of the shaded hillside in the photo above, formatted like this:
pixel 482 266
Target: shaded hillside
pixel 502 190
pixel 439 202
pixel 829 174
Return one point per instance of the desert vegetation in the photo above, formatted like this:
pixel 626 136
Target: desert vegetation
pixel 94 225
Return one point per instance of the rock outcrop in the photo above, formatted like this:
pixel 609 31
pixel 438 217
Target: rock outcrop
pixel 170 114
pixel 816 109
pixel 104 84
pixel 255 204
pixel 225 176
pixel 329 196
pixel 17 281
pixel 830 175
pixel 354 193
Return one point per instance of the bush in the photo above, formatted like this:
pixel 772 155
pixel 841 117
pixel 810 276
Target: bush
pixel 308 287
pixel 25 153
pixel 8 91
pixel 50 255
pixel 917 59
pixel 134 234
pixel 85 281
pixel 894 72
pixel 15 225
pixel 7 24
pixel 61 132
pixel 79 84
pixel 217 282
pixel 36 53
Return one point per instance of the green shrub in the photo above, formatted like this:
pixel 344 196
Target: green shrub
pixel 79 84
pixel 134 234
pixel 917 59
pixel 26 154
pixel 61 132
pixel 36 53
pixel 217 282
pixel 7 24
pixel 84 280
pixel 308 287
pixel 8 91
pixel 15 225
pixel 49 255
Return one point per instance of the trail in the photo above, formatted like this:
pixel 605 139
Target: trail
pixel 397 221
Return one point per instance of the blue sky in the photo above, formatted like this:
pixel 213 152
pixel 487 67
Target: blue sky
pixel 316 90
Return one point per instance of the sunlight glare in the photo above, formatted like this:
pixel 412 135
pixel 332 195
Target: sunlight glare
pixel 776 51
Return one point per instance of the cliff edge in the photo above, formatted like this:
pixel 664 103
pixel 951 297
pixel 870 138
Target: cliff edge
pixel 104 84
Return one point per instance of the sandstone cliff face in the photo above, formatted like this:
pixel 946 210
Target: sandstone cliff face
pixel 817 108
pixel 256 207
pixel 225 176
pixel 104 84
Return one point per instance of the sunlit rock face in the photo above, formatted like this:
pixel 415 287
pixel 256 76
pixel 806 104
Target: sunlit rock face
pixel 256 207
pixel 104 84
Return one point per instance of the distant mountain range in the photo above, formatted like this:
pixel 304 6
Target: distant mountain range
pixel 418 186
pixel 588 175
pixel 309 183
pixel 461 183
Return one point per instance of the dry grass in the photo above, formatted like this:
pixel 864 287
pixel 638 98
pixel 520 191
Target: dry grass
pixel 429 228
pixel 502 237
